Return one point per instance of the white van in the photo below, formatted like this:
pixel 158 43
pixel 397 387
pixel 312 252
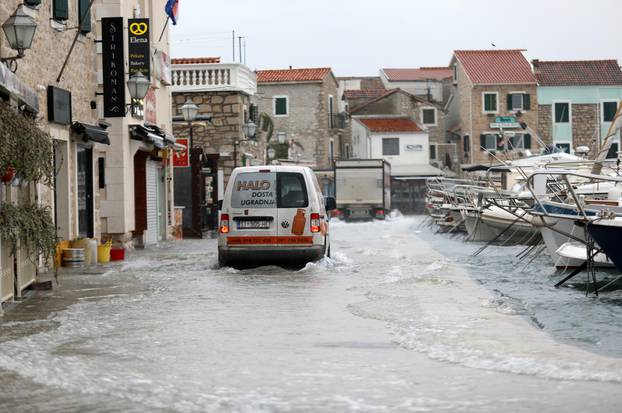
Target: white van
pixel 273 214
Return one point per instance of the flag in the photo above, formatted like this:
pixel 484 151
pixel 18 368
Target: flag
pixel 172 10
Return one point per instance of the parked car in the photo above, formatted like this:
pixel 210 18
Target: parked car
pixel 273 214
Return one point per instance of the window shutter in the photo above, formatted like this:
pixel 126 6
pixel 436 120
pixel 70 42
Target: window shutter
pixel 482 141
pixel 61 10
pixel 86 25
pixel 527 101
pixel 527 141
pixel 509 102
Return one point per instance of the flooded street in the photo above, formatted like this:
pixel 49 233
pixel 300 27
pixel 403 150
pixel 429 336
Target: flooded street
pixel 399 320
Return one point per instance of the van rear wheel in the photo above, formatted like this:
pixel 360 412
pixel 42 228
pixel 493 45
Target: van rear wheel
pixel 222 260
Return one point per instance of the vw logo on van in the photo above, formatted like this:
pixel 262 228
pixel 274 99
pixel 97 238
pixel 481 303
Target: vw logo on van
pixel 285 224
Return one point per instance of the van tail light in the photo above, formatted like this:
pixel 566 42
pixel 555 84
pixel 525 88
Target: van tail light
pixel 224 223
pixel 315 222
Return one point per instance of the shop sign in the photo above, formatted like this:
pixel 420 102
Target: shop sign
pixel 181 158
pixel 505 122
pixel 17 88
pixel 113 67
pixel 162 67
pixel 59 105
pixel 138 47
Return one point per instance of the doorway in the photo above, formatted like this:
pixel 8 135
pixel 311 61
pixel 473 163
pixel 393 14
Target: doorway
pixel 85 191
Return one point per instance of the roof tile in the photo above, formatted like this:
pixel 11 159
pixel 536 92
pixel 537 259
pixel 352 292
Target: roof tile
pixel 578 73
pixel 364 93
pixel 391 125
pixel 422 73
pixel 496 66
pixel 293 75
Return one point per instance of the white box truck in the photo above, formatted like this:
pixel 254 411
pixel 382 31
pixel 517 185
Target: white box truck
pixel 362 189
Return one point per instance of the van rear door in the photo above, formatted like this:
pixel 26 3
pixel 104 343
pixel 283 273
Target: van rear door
pixel 253 206
pixel 293 209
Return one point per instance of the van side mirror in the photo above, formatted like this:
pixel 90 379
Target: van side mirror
pixel 220 205
pixel 331 203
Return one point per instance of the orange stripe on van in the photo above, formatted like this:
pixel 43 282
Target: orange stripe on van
pixel 270 241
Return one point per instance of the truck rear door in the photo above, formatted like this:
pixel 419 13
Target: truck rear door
pixel 294 213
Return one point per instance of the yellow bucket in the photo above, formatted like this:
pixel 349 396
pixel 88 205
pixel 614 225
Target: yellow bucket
pixel 103 252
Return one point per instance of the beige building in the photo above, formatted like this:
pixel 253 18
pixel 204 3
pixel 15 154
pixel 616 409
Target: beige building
pixel 137 198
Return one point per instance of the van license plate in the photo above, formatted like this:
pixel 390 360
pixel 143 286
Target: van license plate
pixel 253 224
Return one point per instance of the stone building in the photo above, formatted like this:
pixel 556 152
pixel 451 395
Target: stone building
pixel 356 90
pixel 304 106
pixel 494 91
pixel 577 101
pixel 64 107
pixel 224 94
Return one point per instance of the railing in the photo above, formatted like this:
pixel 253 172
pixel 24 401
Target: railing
pixel 337 121
pixel 213 77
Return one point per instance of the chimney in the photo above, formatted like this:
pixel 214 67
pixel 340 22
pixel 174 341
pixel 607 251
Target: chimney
pixel 536 69
pixel 290 68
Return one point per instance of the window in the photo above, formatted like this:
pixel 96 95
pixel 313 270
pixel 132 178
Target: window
pixel 613 151
pixel 254 190
pixel 432 151
pixel 520 141
pixel 86 25
pixel 455 73
pixel 609 111
pixel 347 154
pixel 490 102
pixel 60 9
pixel 565 147
pixel 489 141
pixel 390 146
pixel 281 106
pixel 467 145
pixel 331 150
pixel 562 112
pixel 428 116
pixel 291 191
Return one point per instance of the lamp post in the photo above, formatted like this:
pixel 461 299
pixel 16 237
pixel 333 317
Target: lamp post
pixel 249 129
pixel 19 30
pixel 189 111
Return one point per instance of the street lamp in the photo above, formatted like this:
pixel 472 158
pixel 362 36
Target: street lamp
pixel 19 30
pixel 249 129
pixel 271 154
pixel 189 111
pixel 138 85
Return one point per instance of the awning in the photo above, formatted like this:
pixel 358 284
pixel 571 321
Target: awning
pixel 148 135
pixel 93 133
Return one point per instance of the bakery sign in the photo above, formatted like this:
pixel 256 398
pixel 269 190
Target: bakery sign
pixel 113 67
pixel 139 56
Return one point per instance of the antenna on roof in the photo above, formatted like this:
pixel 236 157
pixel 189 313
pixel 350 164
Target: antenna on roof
pixel 493 45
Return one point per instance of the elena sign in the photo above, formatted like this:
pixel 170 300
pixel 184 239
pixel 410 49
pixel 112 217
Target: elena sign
pixel 138 47
pixel 113 69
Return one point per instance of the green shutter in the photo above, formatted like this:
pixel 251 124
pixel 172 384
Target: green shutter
pixel 527 101
pixel 527 141
pixel 86 25
pixel 280 106
pixel 61 9
pixel 482 141
pixel 509 102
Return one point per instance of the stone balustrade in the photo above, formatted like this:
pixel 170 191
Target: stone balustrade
pixel 213 77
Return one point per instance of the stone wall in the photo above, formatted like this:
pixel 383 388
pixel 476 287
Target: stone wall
pixel 229 112
pixel 40 68
pixel 585 127
pixel 545 123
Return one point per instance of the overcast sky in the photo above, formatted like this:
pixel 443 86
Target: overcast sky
pixel 357 37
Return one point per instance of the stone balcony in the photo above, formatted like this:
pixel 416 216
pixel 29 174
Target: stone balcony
pixel 213 77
